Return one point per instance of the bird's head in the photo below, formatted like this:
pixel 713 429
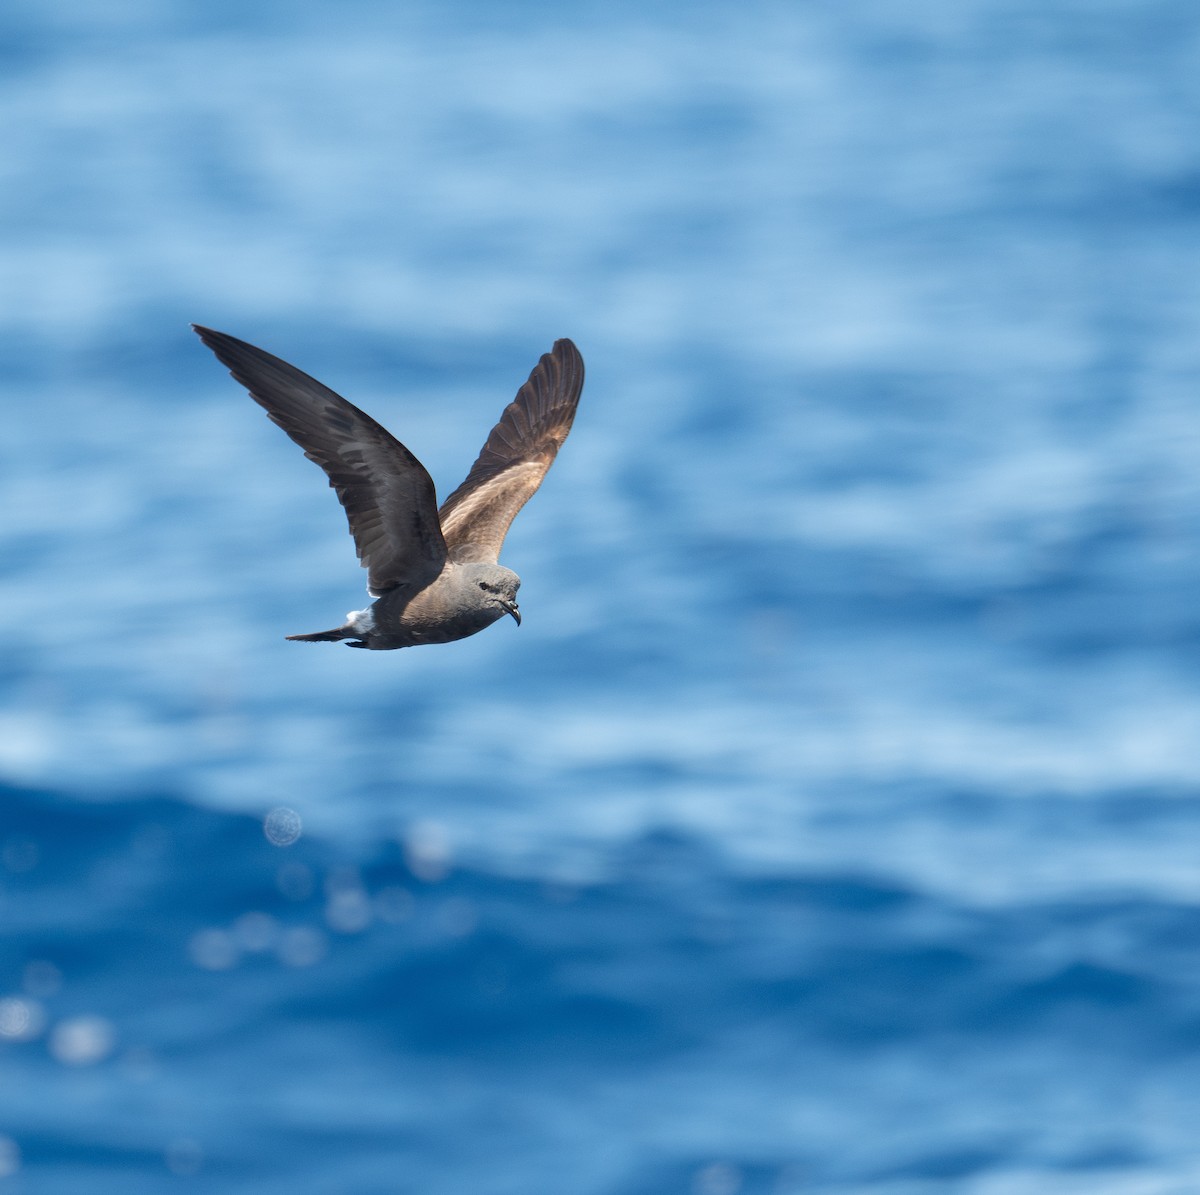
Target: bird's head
pixel 497 586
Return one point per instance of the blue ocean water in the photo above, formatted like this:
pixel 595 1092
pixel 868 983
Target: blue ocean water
pixel 830 824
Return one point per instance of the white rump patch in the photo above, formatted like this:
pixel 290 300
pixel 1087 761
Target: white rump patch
pixel 362 621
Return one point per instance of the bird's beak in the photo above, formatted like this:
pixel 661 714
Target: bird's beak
pixel 511 608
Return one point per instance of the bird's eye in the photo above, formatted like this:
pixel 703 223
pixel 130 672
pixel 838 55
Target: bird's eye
pixel 484 585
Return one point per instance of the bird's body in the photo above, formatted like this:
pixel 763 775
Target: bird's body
pixel 434 573
pixel 461 600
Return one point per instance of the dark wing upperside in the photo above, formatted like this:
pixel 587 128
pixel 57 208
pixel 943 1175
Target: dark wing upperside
pixel 521 447
pixel 389 498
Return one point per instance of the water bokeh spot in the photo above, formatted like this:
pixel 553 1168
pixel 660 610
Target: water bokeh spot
pixel 282 826
pixel 82 1041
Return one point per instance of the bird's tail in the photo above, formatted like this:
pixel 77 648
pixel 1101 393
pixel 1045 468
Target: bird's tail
pixel 346 632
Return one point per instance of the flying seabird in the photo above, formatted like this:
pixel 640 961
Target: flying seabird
pixel 434 573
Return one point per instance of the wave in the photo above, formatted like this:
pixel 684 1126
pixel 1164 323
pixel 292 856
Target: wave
pixel 298 1010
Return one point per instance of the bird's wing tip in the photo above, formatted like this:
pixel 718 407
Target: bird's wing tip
pixel 565 349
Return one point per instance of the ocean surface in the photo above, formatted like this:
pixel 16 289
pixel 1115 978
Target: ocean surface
pixel 832 823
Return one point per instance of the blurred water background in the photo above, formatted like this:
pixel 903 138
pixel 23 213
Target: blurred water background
pixel 831 823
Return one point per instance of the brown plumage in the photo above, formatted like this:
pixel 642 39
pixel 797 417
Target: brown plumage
pixel 435 572
pixel 519 451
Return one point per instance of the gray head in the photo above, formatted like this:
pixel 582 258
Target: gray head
pixel 496 587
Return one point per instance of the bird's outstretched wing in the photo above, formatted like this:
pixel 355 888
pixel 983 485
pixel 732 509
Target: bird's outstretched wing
pixel 389 497
pixel 521 447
